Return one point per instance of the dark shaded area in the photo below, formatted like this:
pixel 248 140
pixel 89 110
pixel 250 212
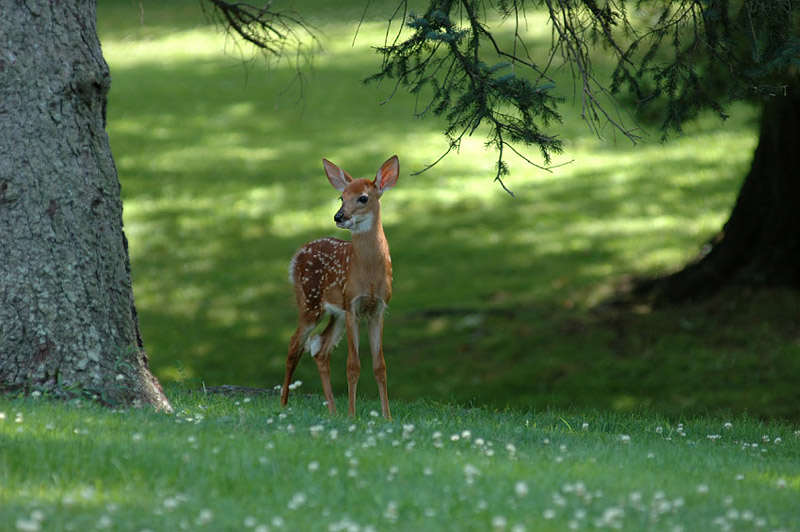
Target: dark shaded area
pixel 760 242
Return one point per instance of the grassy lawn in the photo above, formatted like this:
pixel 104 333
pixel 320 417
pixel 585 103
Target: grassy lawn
pixel 242 463
pixel 495 298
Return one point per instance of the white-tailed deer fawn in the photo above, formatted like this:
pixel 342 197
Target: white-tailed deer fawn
pixel 348 281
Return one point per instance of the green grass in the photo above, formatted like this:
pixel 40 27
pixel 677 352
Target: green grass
pixel 494 298
pixel 245 464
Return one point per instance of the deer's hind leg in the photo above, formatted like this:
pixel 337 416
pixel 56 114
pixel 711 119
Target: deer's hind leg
pixel 296 347
pixel 321 347
pixel 378 362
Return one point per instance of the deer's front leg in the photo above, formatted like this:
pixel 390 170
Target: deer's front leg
pixel 378 363
pixel 353 362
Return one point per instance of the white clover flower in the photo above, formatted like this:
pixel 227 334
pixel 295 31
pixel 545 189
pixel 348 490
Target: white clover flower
pixel 585 426
pixel 466 435
pixel 625 438
pixel 549 513
pixel 728 425
pixel 521 489
pixel 204 517
pixel 297 500
pixel 313 466
pixel 391 511
pixel 28 525
pixel 559 500
pixel 702 489
pixel 471 471
pixel 499 522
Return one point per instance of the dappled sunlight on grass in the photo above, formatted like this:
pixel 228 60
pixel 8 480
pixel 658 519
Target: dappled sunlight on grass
pixel 222 182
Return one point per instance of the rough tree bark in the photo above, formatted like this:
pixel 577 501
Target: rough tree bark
pixel 760 242
pixel 67 315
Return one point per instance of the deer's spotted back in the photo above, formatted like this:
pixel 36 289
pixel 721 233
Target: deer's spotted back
pixel 319 267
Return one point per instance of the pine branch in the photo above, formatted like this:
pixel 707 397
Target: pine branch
pixel 278 35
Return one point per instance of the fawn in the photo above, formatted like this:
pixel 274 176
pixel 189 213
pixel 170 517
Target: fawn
pixel 348 281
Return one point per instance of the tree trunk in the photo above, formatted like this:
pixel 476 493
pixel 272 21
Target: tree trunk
pixel 760 242
pixel 67 317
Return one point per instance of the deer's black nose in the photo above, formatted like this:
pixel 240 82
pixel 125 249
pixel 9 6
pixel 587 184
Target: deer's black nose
pixel 338 217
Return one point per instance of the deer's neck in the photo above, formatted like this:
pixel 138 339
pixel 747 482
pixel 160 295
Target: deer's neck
pixel 369 247
pixel 370 269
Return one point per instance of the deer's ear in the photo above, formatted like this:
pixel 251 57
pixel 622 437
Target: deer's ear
pixel 339 178
pixel 387 174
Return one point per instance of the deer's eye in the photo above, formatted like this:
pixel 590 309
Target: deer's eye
pixel 363 199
